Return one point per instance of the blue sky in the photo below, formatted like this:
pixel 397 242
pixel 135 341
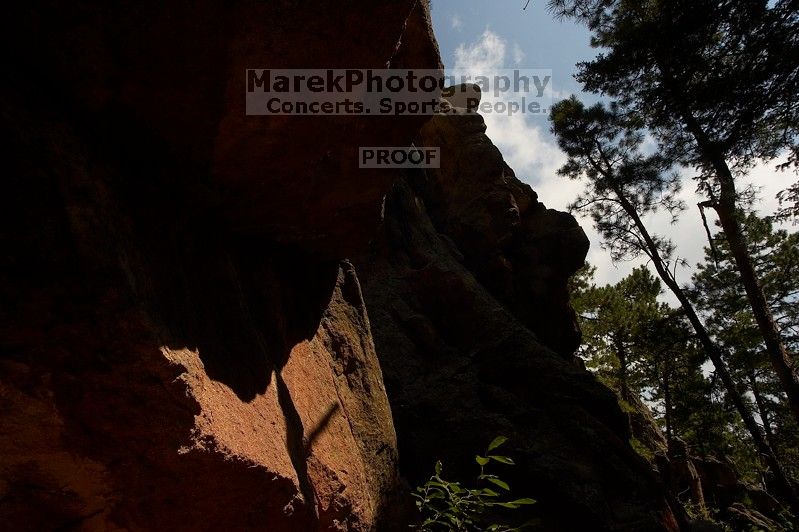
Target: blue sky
pixel 545 42
pixel 488 35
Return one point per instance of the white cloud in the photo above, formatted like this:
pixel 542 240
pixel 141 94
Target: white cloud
pixel 530 149
pixel 523 139
pixel 688 233
pixel 457 22
pixel 518 54
pixel 485 56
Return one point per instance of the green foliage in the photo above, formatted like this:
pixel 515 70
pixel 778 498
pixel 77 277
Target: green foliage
pixel 660 362
pixel 623 183
pixel 718 292
pixel 642 449
pixel 664 358
pixel 706 75
pixel 789 198
pixel 448 505
pixel 711 82
pixel 614 320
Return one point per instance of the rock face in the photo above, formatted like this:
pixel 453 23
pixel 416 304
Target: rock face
pixel 183 346
pixel 183 342
pixel 522 252
pixel 168 79
pixel 451 287
pixel 721 487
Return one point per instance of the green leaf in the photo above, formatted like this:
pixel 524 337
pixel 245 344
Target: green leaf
pixel 481 460
pixel 504 504
pixel 489 492
pixel 501 483
pixel 502 459
pixel 499 440
pixel 438 467
pixel 523 501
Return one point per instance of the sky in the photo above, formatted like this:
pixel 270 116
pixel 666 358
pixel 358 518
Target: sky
pixel 485 36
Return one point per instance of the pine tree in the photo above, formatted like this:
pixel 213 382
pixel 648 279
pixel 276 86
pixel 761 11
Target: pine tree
pixel 623 184
pixel 613 320
pixel 716 82
pixel 719 294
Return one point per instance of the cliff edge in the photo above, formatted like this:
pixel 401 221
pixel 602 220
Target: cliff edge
pixel 213 321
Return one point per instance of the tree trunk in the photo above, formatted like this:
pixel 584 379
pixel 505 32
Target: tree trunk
pixel 731 225
pixel 761 408
pixel 667 400
pixel 788 492
pixel 621 354
pixel 695 484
